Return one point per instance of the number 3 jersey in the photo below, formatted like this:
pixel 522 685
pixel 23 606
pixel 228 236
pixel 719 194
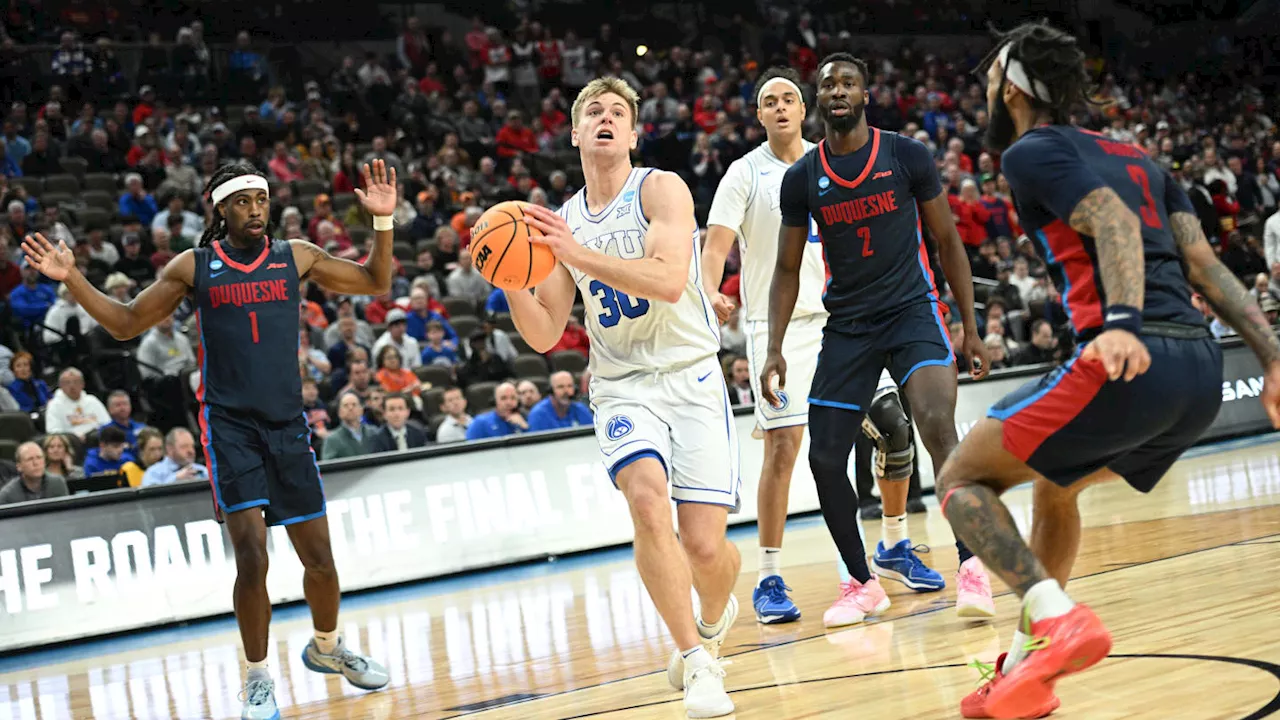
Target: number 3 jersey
pixel 628 334
pixel 247 317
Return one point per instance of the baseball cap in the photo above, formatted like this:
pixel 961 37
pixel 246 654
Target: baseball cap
pixel 145 89
pixel 396 315
pixel 1162 125
pixel 130 239
pixel 141 130
pixel 986 178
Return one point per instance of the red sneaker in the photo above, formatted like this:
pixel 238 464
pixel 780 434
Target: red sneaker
pixel 974 704
pixel 1066 644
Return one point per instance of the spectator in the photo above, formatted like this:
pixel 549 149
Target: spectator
pixel 503 420
pixel 311 362
pixel 60 458
pixel 102 250
pixel 395 336
pixel 16 147
pixel 150 450
pixel 164 352
pixel 192 224
pixel 283 165
pixel 574 338
pixel 63 311
pixel 72 410
pixel 998 355
pixel 323 205
pixel 10 274
pixel 391 375
pixel 131 269
pixel 467 282
pixel 120 408
pixel 1022 280
pixel 1262 288
pixel 348 439
pixel 31 300
pixel 340 351
pixel 112 452
pixel 419 315
pixel 396 433
pixel 8 166
pixel 558 410
pixel 1043 347
pixel 31 393
pixel 359 379
pixel 497 303
pixel 498 342
pixel 43 159
pixel 737 375
pixel 514 139
pixel 971 215
pixel 376 310
pixel 33 482
pixel 995 329
pixel 454 406
pixel 481 365
pixel 380 152
pixel 732 338
pixel 19 225
pixel 136 201
pixel 314 408
pixel 529 395
pixel 179 463
pixel 1003 219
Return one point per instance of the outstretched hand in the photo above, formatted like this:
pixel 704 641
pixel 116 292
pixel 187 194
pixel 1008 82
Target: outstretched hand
pixel 379 194
pixel 54 263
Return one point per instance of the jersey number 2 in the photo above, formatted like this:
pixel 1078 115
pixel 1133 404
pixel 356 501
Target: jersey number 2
pixel 864 232
pixel 616 304
pixel 1150 213
pixel 253 324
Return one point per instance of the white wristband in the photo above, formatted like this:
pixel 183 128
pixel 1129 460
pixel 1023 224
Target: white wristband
pixel 383 222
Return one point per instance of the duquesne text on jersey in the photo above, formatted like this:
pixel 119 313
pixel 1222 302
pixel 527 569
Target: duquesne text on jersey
pixel 248 293
pixel 859 209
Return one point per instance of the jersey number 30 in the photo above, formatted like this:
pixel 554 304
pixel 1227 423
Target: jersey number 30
pixel 616 304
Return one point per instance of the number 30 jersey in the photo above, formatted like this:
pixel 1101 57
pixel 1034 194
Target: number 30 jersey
pixel 631 335
pixel 247 317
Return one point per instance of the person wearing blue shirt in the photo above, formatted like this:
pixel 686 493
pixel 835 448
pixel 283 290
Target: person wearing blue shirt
pixel 120 408
pixel 179 461
pixel 558 410
pixel 31 300
pixel 436 350
pixel 501 421
pixel 136 201
pixel 110 454
pixel 419 315
pixel 31 393
pixel 497 302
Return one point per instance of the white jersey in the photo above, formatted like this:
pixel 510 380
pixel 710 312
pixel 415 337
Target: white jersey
pixel 636 335
pixel 747 202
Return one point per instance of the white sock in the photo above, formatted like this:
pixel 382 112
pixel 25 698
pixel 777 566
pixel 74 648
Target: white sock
pixel 256 670
pixel 696 658
pixel 894 529
pixel 327 642
pixel 1017 651
pixel 709 631
pixel 1046 599
pixel 770 559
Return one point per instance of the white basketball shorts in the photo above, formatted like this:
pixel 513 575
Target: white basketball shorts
pixel 681 418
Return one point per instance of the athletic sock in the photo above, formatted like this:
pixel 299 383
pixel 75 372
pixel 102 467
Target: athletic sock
pixel 1017 651
pixel 696 658
pixel 963 551
pixel 770 559
pixel 255 671
pixel 894 529
pixel 709 631
pixel 327 642
pixel 1046 599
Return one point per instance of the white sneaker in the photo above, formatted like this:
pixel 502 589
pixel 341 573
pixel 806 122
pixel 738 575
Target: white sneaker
pixel 675 666
pixel 260 701
pixel 704 695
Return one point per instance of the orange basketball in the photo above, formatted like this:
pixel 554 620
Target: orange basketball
pixel 501 250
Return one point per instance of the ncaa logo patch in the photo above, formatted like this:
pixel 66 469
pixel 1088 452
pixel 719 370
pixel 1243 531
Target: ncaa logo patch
pixel 619 426
pixel 783 400
pixel 628 196
pixel 215 265
pixel 824 182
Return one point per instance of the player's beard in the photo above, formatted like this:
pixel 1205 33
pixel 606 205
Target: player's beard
pixel 844 123
pixel 1000 127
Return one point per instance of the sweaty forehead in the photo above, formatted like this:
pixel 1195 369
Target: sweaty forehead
pixel 841 69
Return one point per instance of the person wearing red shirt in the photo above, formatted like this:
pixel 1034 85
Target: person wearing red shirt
pixel 551 52
pixel 1228 209
pixel 515 139
pixel 477 41
pixel 430 82
pixel 375 312
pixel 705 109
pixel 553 120
pixel 146 105
pixel 971 216
pixel 574 338
pixel 283 166
pixel 803 59
pixel 324 211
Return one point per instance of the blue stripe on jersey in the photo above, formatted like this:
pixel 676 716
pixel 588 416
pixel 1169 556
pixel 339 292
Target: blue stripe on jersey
pixel 1066 279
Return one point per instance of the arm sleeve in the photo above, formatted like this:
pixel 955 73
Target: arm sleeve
pixel 921 169
pixel 794 197
pixel 729 206
pixel 1046 169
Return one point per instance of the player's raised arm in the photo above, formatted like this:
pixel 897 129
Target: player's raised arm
pixel 345 276
pixel 541 315
pixel 668 244
pixel 123 320
pixel 792 236
pixel 728 209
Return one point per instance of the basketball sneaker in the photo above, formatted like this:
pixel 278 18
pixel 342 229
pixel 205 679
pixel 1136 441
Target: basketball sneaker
pixel 704 695
pixel 675 666
pixel 974 705
pixel 1063 645
pixel 901 563
pixel 857 601
pixel 973 591
pixel 360 671
pixel 259 698
pixel 773 605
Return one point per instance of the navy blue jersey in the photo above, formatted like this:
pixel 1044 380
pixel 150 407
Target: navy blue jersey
pixel 247 312
pixel 1050 170
pixel 864 204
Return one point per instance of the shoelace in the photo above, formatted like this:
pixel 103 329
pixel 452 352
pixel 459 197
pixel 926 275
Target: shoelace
pixel 986 671
pixel 713 668
pixel 777 592
pixel 348 658
pixel 916 562
pixel 970 581
pixel 257 692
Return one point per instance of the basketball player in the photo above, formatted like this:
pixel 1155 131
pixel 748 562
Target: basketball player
pixel 629 242
pixel 262 468
pixel 867 191
pixel 746 208
pixel 1121 240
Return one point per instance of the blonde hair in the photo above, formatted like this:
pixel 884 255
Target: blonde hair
pixel 600 86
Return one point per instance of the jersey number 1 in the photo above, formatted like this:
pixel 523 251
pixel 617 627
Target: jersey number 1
pixel 253 324
pixel 616 304
pixel 1149 212
pixel 864 232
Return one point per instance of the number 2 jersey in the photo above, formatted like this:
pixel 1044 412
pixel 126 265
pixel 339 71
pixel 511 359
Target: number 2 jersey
pixel 1050 170
pixel 632 335
pixel 247 315
pixel 865 207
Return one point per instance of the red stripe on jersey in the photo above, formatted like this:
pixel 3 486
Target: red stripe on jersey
pixel 924 258
pixel 871 161
pixel 1026 430
pixel 266 247
pixel 1084 302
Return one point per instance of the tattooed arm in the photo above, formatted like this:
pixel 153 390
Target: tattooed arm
pixel 1118 235
pixel 1223 290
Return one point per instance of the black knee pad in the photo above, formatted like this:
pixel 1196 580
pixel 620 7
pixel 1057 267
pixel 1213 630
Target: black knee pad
pixel 888 426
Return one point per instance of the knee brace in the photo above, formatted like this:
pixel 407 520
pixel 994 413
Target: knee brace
pixel 887 425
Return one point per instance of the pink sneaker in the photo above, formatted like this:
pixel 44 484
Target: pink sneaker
pixel 973 591
pixel 856 602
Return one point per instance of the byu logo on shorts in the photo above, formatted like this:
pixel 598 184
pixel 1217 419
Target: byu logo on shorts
pixel 215 265
pixel 619 426
pixel 783 400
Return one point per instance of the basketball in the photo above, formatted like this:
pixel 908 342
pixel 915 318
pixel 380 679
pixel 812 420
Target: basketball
pixel 502 252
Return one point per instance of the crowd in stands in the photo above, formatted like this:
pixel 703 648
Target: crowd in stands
pixel 114 165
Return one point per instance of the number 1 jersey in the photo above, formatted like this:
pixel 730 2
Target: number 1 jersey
pixel 247 315
pixel 631 335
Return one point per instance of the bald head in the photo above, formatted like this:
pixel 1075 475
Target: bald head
pixel 505 399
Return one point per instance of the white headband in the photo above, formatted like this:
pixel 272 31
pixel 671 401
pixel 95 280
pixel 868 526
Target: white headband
pixel 763 88
pixel 236 184
pixel 1016 72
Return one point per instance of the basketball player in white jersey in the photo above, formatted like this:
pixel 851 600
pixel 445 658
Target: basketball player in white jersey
pixel 629 242
pixel 746 208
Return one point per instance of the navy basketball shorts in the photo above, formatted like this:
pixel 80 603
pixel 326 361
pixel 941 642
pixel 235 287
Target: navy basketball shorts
pixel 253 463
pixel 854 354
pixel 1075 421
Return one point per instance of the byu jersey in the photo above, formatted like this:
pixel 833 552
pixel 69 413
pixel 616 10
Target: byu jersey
pixel 632 335
pixel 748 202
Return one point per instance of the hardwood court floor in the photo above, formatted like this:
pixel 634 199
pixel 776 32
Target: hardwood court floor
pixel 1185 578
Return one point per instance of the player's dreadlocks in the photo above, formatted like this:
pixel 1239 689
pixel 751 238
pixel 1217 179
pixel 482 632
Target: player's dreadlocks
pixel 218 229
pixel 848 58
pixel 777 71
pixel 1052 57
